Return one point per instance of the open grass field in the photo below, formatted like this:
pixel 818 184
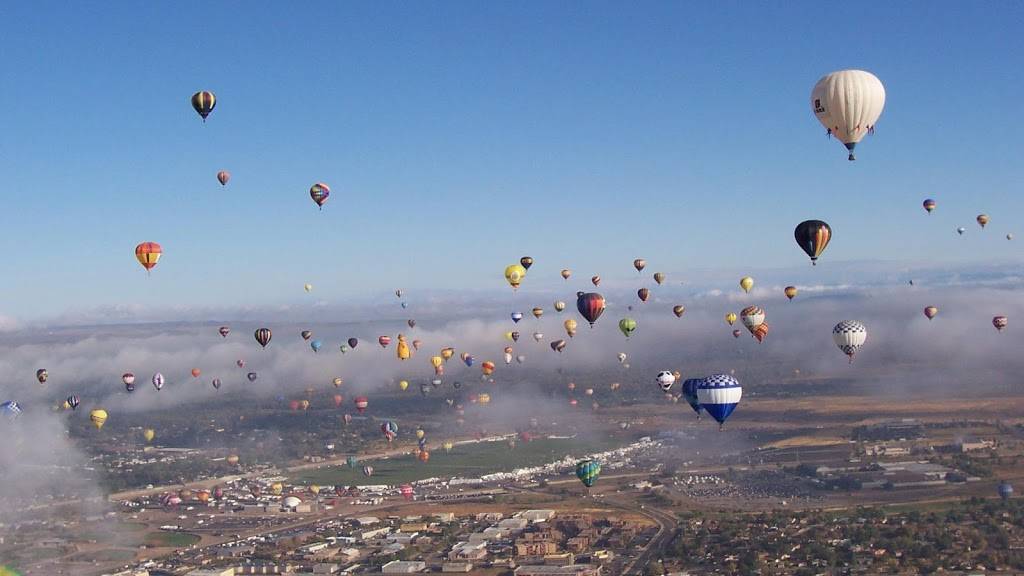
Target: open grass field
pixel 466 460
pixel 170 539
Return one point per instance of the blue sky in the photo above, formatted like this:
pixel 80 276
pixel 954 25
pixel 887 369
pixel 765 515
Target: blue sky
pixel 459 136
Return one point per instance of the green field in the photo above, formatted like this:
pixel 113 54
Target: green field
pixel 467 460
pixel 170 539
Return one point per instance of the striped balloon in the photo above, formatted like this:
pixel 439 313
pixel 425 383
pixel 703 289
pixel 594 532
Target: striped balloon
pixel 813 237
pixel 319 193
pixel 590 305
pixel 719 395
pixel 203 103
pixel 588 471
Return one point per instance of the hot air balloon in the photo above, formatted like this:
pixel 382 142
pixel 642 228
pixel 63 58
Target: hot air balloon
pixel 158 381
pixel 665 380
pixel 316 345
pixel 1005 490
pixel 73 401
pixel 690 386
pixel 849 336
pixel 338 399
pixel 559 305
pixel 402 350
pixel 752 317
pixel 98 418
pixel 730 318
pixel 337 382
pixel 929 205
pixel 353 342
pixel 790 292
pixel 149 434
pixel 447 352
pixel 196 372
pixel 570 327
pixel 306 334
pixel 411 323
pixel 224 331
pixel 520 358
pixel 384 341
pixel 263 336
pixel 982 220
pixel 416 344
pixel 558 345
pixel 627 326
pixel 203 103
pixel 659 277
pixel 813 236
pixel 746 283
pixel 538 336
pixel 760 331
pixel 514 274
pixel 389 429
pixel 251 376
pixel 930 312
pixel 590 305
pixel 368 471
pixel 129 381
pixel 588 471
pixel 1009 236
pixel 216 383
pixel 736 333
pixel 467 359
pixel 11 409
pixel 483 398
pixel 538 312
pixel 999 322
pixel 517 316
pixel 508 356
pixel 526 262
pixel 595 280
pixel 643 294
pixel 573 402
pixel 361 403
pixel 403 385
pixel 304 404
pixel 319 192
pixel 848 104
pixel 622 357
pixel 589 391
pixel 639 264
pixel 423 456
pixel 223 176
pixel 42 375
pixel 718 395
pixel 347 419
pixel 566 273
pixel 571 386
pixel 448 445
pixel 148 254
pixel 307 287
pixel 487 367
pixel 436 362
pixel 961 230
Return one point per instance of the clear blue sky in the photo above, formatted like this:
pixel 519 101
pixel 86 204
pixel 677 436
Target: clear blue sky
pixel 458 136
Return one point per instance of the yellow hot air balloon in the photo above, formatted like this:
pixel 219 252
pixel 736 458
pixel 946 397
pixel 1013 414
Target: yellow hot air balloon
pixel 436 361
pixel 98 417
pixel 508 336
pixel 447 353
pixel 305 404
pixel 402 351
pixel 514 274
pixel 483 398
pixel 314 489
pixel 746 283
pixel 570 327
pixel 149 434
pixel 277 488
pixel 448 445
pixel 790 292
pixel 730 318
pixel 404 384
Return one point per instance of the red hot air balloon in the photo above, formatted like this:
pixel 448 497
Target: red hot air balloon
pixel 262 336
pixel 361 403
pixel 294 405
pixel 196 372
pixel 590 305
pixel 384 341
pixel 148 253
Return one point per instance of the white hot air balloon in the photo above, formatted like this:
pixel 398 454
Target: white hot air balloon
pixel 848 103
pixel 849 336
pixel 665 380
